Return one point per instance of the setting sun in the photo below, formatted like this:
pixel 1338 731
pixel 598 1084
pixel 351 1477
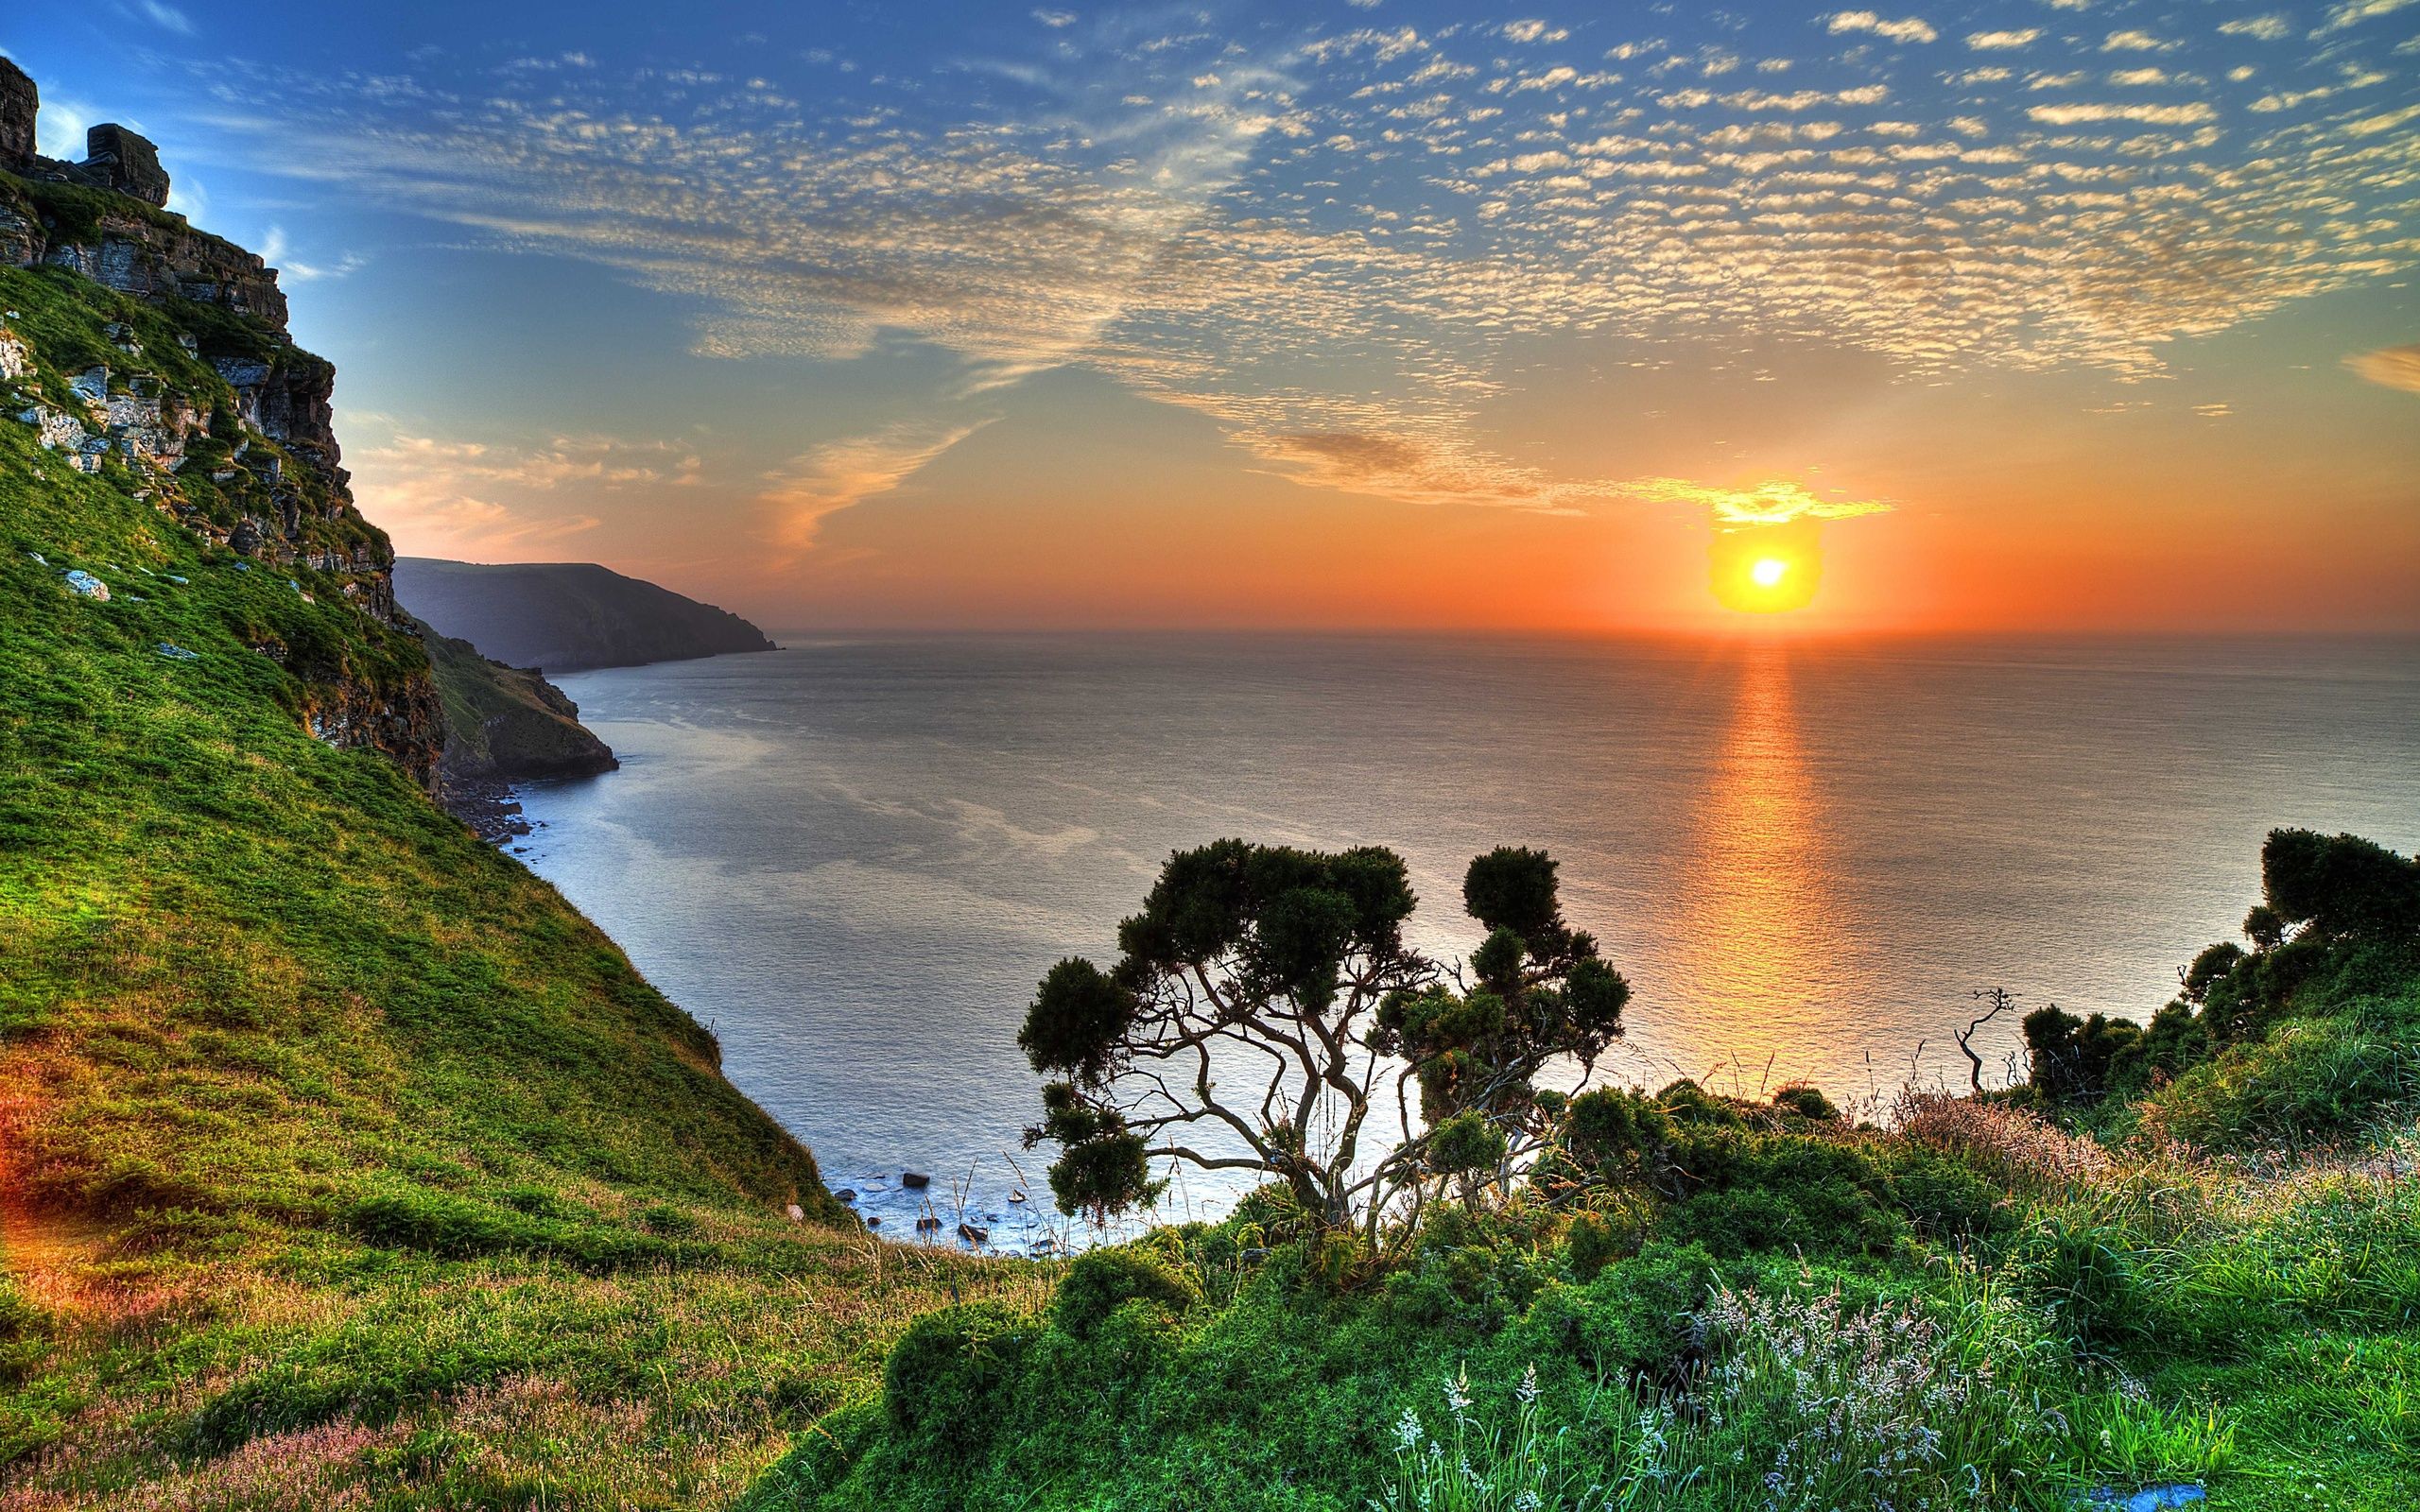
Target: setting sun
pixel 1768 570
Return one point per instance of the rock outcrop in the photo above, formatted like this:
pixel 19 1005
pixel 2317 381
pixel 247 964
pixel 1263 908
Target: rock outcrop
pixel 193 388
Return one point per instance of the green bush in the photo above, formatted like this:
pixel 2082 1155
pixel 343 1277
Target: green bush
pixel 949 1380
pixel 1102 1280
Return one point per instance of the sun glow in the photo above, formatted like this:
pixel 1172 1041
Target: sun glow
pixel 1767 569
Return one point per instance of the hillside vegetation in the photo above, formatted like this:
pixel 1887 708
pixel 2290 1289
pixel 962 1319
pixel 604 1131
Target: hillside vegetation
pixel 2183 1257
pixel 342 1162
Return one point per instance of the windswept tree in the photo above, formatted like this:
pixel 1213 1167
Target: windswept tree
pixel 1266 996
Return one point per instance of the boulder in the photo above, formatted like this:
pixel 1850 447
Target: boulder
pixel 972 1234
pixel 84 584
pixel 914 1180
pixel 796 1214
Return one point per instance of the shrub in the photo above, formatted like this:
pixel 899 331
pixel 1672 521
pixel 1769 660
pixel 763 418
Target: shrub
pixel 1102 1280
pixel 1805 1100
pixel 946 1385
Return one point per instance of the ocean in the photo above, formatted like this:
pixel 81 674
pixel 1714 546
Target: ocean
pixel 854 858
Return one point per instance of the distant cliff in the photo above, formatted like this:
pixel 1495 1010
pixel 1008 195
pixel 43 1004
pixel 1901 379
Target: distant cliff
pixel 567 616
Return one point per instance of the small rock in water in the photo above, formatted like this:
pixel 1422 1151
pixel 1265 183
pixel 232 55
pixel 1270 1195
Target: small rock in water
pixel 1016 1196
pixel 847 1194
pixel 85 585
pixel 797 1213
pixel 912 1180
pixel 926 1223
pixel 874 1223
pixel 972 1234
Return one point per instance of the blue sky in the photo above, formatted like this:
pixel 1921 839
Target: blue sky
pixel 933 313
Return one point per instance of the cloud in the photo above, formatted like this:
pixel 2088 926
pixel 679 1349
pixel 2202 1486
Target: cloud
pixel 839 474
pixel 2352 12
pixel 1185 216
pixel 1056 19
pixel 168 17
pixel 1771 502
pixel 485 500
pixel 2147 115
pixel 1533 31
pixel 2135 41
pixel 2264 29
pixel 2390 367
pixel 1986 41
pixel 1910 30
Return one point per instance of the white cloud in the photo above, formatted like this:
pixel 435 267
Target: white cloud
pixel 2265 28
pixel 1055 19
pixel 1987 41
pixel 2390 367
pixel 2352 12
pixel 1533 31
pixel 839 474
pixel 168 16
pixel 486 501
pixel 2147 115
pixel 1910 30
pixel 2135 41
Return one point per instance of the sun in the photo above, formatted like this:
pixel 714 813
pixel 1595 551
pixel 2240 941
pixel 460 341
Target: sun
pixel 1773 569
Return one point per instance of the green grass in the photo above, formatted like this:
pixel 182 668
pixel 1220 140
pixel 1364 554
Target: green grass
pixel 330 1138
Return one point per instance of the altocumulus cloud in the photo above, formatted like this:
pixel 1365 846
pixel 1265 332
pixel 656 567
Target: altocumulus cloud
pixel 1203 239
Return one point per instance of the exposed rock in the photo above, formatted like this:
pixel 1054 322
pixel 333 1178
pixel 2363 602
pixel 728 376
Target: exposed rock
pixel 846 1194
pixel 972 1234
pixel 914 1180
pixel 19 101
pixel 796 1214
pixel 126 163
pixel 84 584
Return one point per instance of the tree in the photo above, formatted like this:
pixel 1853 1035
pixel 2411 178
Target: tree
pixel 1266 994
pixel 2338 887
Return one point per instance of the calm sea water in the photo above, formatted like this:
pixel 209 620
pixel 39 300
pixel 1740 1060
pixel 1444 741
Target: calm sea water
pixel 854 857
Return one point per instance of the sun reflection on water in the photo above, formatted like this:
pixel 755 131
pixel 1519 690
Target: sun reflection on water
pixel 1760 907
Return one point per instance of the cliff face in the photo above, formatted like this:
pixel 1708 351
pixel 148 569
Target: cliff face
pixel 198 401
pixel 568 616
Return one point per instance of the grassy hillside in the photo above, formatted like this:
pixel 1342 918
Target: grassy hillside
pixel 507 722
pixel 341 1162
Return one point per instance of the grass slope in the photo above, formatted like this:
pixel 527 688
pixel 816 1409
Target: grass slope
pixel 342 1162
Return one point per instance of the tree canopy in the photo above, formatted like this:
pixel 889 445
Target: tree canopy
pixel 1264 1000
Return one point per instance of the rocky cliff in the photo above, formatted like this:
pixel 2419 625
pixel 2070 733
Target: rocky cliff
pixel 158 355
pixel 568 616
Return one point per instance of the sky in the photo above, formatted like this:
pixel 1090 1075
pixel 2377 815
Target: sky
pixel 2034 315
